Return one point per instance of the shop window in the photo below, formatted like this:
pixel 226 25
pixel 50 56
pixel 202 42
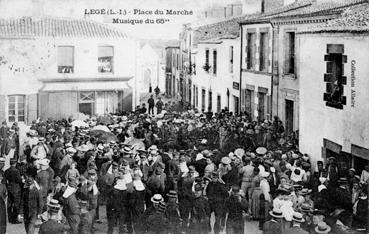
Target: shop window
pixel 16 108
pixel 65 59
pixel 290 53
pixel 105 59
pixel 203 93
pixel 334 76
pixel 248 97
pixel 219 104
pixel 210 101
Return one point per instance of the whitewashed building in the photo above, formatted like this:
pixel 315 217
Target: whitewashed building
pixel 216 79
pixel 55 67
pixel 334 83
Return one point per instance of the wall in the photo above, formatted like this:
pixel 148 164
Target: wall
pixel 344 127
pixel 28 61
pixel 253 79
pixel 223 80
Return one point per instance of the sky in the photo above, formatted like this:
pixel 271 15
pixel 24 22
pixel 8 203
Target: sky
pixel 76 9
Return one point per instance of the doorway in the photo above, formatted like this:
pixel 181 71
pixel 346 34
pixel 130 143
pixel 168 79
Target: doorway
pixel 86 108
pixel 289 116
pixel 261 106
pixel 236 104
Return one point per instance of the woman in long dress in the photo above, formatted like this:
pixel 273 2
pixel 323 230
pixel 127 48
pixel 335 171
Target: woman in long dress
pixel 255 200
pixel 3 194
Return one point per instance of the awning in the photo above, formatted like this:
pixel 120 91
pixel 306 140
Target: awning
pixel 85 86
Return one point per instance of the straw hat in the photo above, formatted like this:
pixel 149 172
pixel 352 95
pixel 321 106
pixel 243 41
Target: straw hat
pixel 322 227
pixel 157 198
pixel 261 150
pixel 226 160
pixel 276 213
pixel 297 217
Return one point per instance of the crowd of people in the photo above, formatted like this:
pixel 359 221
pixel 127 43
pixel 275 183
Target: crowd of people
pixel 171 173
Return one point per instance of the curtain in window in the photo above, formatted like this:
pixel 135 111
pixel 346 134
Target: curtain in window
pixel 65 55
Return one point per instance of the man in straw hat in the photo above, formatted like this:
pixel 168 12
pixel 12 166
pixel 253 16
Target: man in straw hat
pixel 323 228
pixel 273 226
pixel 32 201
pixel 52 225
pixel 72 209
pixel 297 220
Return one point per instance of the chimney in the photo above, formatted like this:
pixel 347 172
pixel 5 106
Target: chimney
pixel 269 5
pixel 229 10
pixel 288 2
pixel 37 8
pixel 251 6
pixel 237 9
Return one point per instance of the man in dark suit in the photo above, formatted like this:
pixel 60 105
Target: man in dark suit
pixel 3 134
pixel 14 185
pixel 72 209
pixel 52 225
pixel 32 201
pixel 274 225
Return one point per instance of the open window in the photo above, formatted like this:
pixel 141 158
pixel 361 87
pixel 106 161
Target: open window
pixel 105 59
pixel 334 76
pixel 65 59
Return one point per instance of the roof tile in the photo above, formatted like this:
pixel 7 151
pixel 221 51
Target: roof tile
pixel 56 27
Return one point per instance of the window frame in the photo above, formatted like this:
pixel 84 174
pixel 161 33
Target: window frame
pixel 16 108
pixel 263 51
pixel 68 68
pixel 290 53
pixel 215 61
pixel 111 62
pixel 250 50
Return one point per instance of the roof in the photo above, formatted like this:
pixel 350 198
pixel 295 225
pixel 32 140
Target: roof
pixel 226 29
pixel 56 27
pixel 305 8
pixel 353 19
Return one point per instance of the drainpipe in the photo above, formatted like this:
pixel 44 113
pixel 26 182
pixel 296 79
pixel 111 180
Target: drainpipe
pixel 241 54
pixel 271 83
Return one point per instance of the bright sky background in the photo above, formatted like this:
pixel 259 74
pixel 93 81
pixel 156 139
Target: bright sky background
pixel 76 8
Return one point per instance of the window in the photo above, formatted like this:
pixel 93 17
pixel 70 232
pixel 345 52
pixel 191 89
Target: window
pixel 65 59
pixel 207 65
pixel 334 77
pixel 207 57
pixel 261 106
pixel 197 97
pixel 250 50
pixel 214 62
pixel 263 52
pixel 105 59
pixel 16 108
pixel 203 93
pixel 290 53
pixel 210 101
pixel 231 59
pixel 219 104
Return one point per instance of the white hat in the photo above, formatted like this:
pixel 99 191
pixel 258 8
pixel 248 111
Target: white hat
pixel 157 198
pixel 71 150
pixel 199 156
pixel 152 148
pixel 272 169
pixel 264 174
pixel 43 162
